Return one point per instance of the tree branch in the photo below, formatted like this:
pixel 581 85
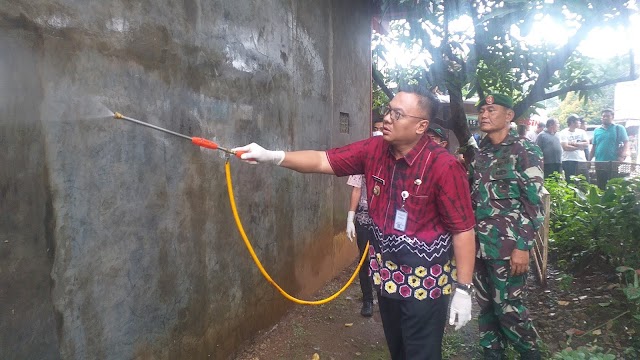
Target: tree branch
pixel 556 63
pixel 587 87
pixel 377 78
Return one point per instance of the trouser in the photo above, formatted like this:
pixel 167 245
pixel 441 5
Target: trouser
pixel 503 316
pixel 605 172
pixel 414 328
pixel 364 234
pixel 570 169
pixel 551 168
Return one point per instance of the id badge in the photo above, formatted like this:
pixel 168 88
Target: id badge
pixel 400 222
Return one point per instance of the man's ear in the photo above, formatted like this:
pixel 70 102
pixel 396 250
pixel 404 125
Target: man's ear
pixel 510 115
pixel 423 125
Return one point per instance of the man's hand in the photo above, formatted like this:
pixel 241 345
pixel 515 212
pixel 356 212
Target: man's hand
pixel 460 307
pixel 351 226
pixel 519 262
pixel 255 154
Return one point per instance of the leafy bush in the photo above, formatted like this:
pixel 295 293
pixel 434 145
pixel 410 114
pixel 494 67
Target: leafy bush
pixel 632 288
pixel 587 223
pixel 583 353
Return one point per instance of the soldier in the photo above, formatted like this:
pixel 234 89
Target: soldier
pixel 506 179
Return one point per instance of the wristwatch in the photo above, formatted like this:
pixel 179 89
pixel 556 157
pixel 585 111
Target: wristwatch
pixel 468 288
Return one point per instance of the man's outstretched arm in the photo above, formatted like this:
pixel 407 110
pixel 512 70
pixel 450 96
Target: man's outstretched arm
pixel 305 161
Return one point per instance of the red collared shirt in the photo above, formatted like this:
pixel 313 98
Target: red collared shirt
pixel 415 263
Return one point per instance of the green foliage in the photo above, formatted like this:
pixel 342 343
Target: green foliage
pixel 632 289
pixel 566 280
pixel 472 47
pixel 452 344
pixel 588 224
pixel 379 98
pixel 594 353
pixel 590 109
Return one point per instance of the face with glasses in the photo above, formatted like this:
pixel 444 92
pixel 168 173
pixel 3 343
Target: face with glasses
pixel 404 120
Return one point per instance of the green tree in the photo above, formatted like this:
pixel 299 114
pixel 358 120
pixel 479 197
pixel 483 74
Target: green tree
pixel 589 108
pixel 494 56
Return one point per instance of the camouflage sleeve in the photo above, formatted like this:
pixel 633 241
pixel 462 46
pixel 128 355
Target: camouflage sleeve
pixel 530 179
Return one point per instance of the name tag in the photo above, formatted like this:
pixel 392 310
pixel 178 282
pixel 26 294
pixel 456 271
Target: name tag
pixel 400 222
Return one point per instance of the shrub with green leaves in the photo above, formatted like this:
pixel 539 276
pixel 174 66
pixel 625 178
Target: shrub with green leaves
pixel 587 223
pixel 631 289
pixel 594 353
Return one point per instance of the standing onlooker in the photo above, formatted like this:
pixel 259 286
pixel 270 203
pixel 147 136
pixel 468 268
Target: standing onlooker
pixel 361 229
pixel 532 134
pixel 539 129
pixel 421 215
pixel 523 132
pixel 574 141
pixel 549 143
pixel 610 143
pixel 506 182
pixel 438 134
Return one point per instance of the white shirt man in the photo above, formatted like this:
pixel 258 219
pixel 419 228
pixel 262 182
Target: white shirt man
pixel 573 140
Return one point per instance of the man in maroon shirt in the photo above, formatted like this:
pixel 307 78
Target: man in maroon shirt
pixel 420 205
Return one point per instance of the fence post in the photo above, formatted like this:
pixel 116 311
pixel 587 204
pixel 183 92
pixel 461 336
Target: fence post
pixel 540 250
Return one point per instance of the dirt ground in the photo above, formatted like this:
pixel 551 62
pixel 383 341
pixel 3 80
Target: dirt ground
pixel 568 312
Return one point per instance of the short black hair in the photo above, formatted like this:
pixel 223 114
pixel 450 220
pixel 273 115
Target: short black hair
pixel 608 110
pixel 573 118
pixel 551 122
pixel 428 102
pixel 522 130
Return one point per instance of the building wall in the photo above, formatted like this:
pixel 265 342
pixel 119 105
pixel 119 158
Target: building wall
pixel 117 241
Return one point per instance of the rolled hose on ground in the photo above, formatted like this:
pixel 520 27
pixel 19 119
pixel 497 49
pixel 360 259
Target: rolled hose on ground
pixel 234 209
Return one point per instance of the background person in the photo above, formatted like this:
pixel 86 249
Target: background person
pixel 438 134
pixel 506 183
pixel 610 143
pixel 549 143
pixel 574 141
pixel 359 226
pixel 421 212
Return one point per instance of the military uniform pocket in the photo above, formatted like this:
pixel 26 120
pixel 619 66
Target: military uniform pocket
pixel 504 189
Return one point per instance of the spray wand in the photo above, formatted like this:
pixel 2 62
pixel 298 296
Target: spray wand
pixel 195 140
pixel 211 145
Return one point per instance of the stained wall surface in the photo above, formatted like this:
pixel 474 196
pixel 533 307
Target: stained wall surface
pixel 117 241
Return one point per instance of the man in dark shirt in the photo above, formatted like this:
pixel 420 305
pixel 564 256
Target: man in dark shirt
pixel 551 148
pixel 421 211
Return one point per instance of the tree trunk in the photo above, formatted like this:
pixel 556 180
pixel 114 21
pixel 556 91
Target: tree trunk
pixel 459 122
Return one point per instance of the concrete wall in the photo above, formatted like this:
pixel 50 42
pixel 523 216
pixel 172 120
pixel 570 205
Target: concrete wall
pixel 117 241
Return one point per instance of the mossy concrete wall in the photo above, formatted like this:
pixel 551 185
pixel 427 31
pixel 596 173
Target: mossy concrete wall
pixel 117 241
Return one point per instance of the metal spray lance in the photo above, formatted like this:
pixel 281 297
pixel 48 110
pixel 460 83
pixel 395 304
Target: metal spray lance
pixel 195 140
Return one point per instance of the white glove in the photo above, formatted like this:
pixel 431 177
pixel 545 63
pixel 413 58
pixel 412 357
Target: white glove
pixel 351 226
pixel 460 306
pixel 255 153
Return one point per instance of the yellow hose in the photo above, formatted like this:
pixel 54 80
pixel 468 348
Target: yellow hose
pixel 227 169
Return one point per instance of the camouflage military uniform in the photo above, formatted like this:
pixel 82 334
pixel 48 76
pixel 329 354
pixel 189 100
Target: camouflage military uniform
pixel 506 180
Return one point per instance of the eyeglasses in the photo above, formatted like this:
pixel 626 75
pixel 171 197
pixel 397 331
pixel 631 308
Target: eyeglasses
pixel 396 115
